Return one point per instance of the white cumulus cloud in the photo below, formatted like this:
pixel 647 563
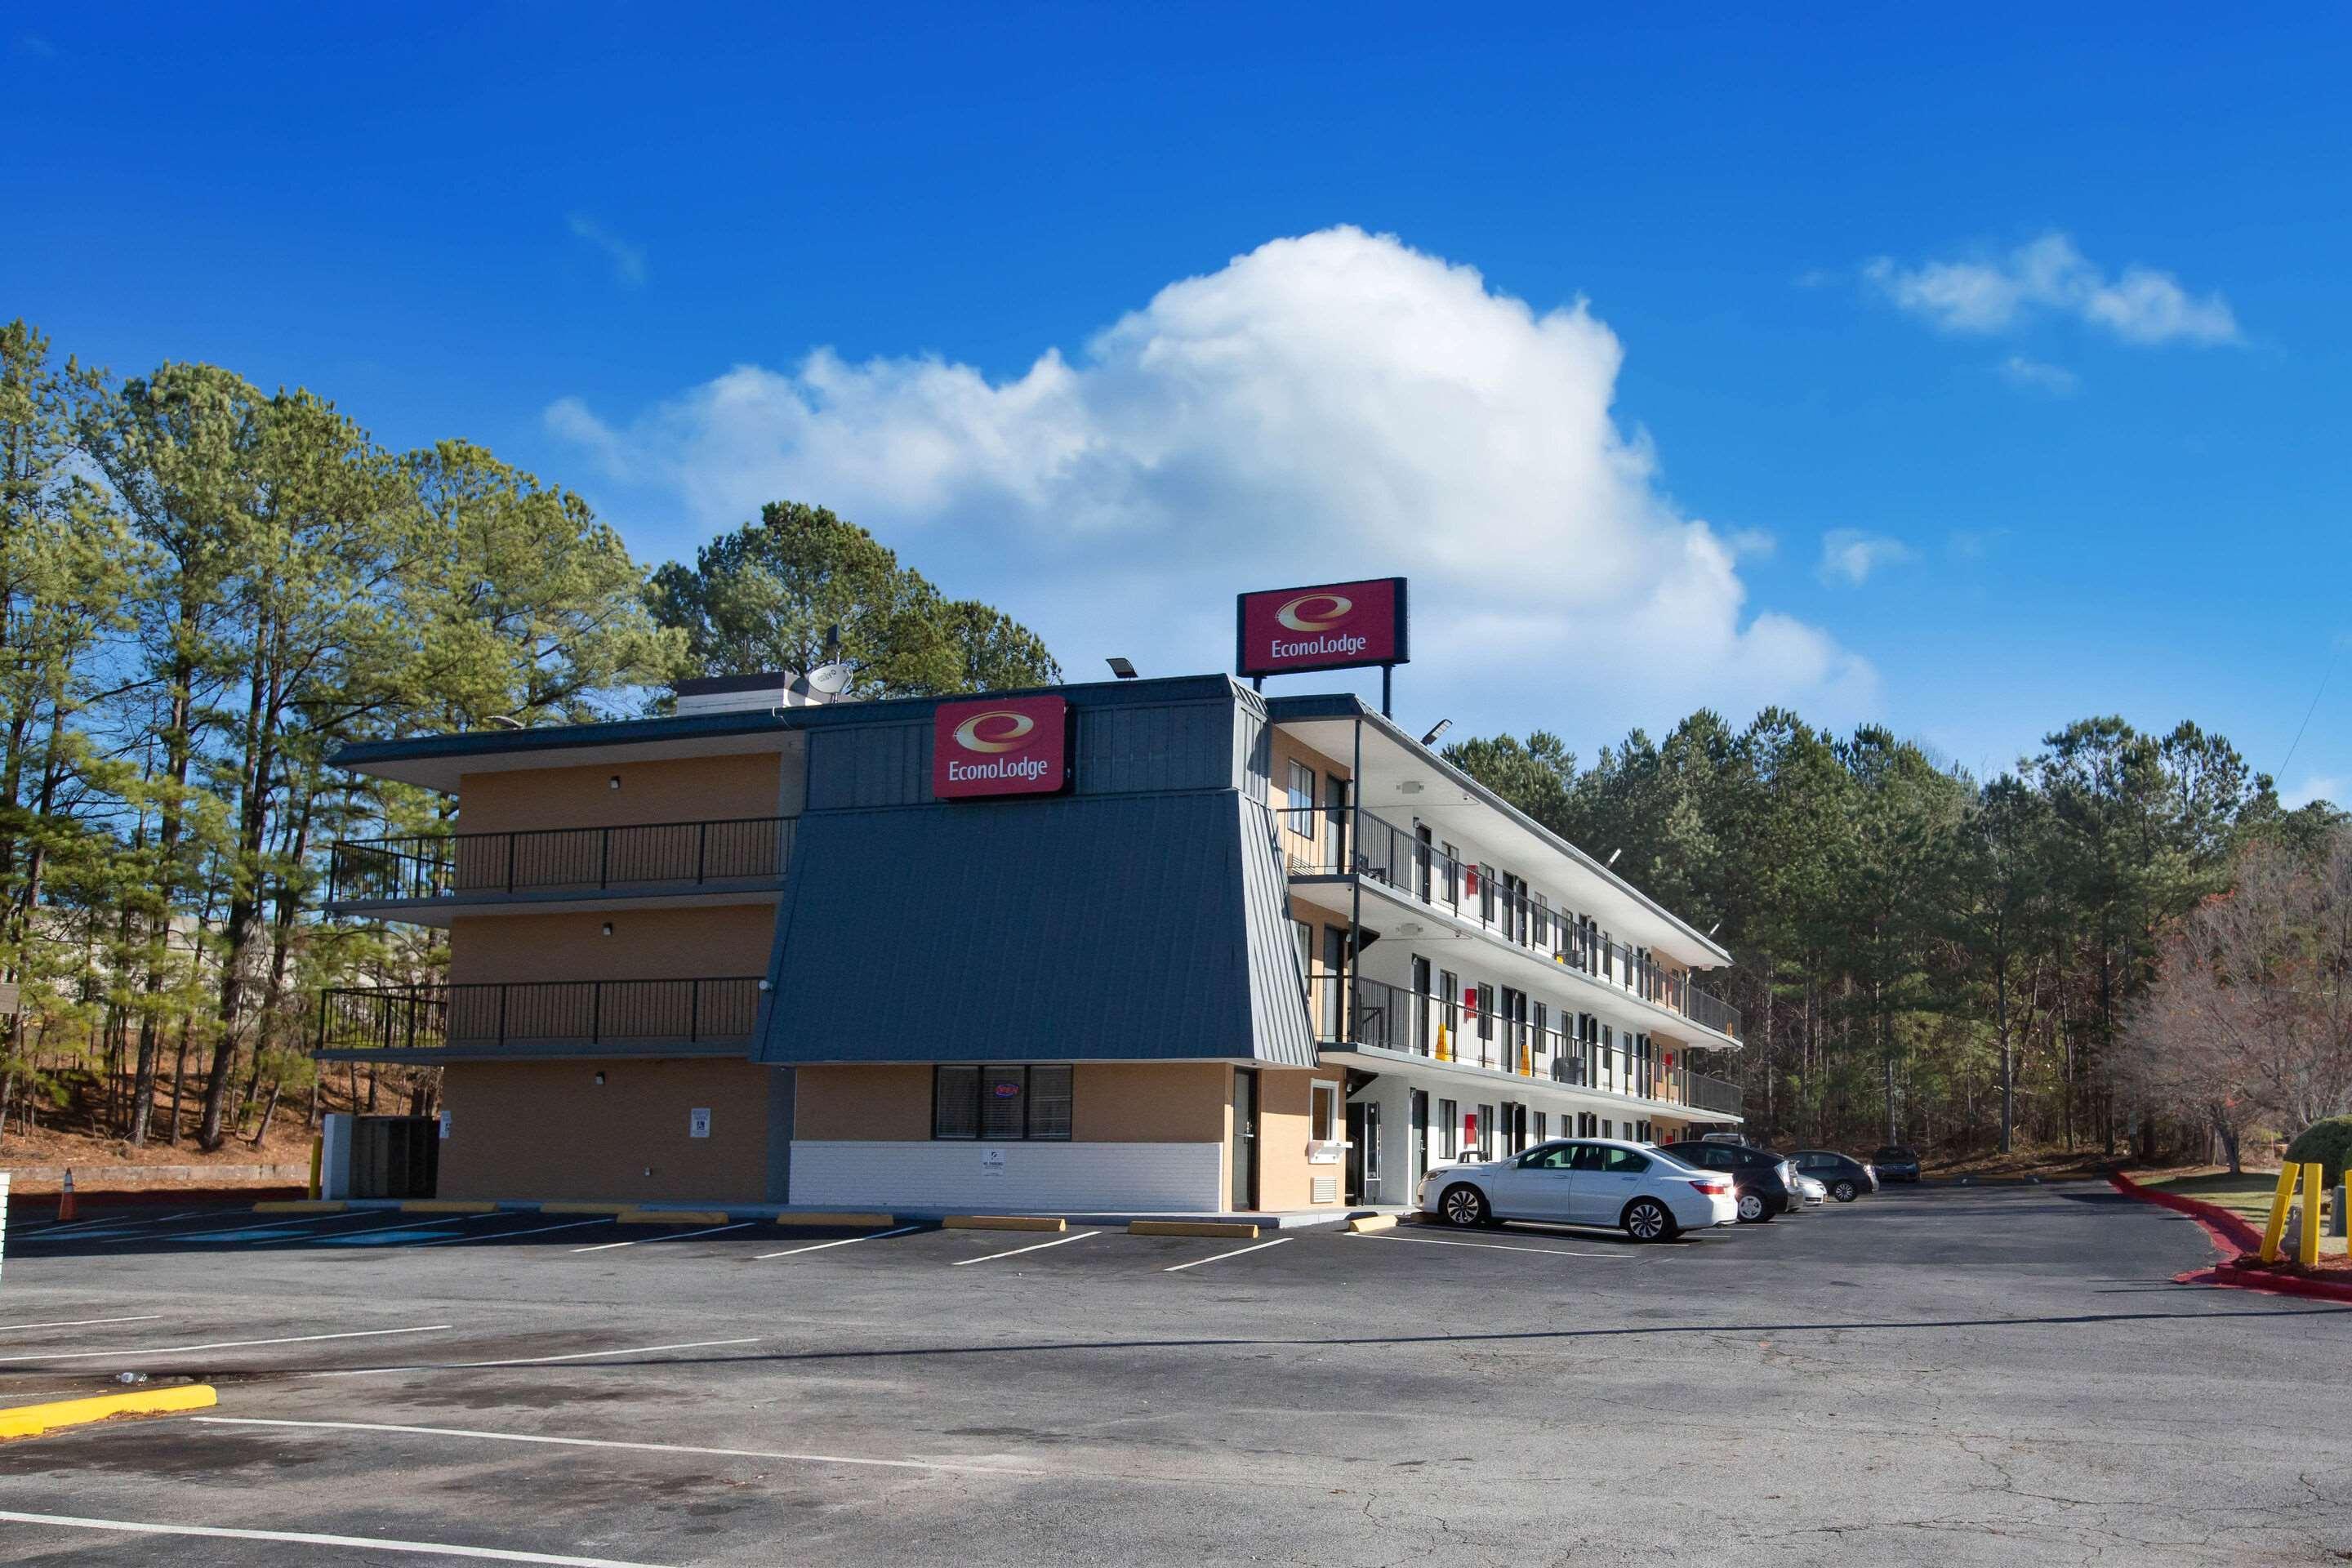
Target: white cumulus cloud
pixel 1324 407
pixel 1850 555
pixel 2050 276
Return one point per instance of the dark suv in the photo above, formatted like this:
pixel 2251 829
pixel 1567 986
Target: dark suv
pixel 1763 1183
pixel 1895 1164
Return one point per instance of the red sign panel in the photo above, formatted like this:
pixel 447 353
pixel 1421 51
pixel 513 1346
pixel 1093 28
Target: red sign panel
pixel 1333 626
pixel 1005 746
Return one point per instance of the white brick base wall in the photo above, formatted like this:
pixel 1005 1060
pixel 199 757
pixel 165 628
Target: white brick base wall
pixel 1181 1177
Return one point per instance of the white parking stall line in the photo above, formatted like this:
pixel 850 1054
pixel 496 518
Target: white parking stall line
pixel 45 1232
pixel 308 1538
pixel 639 1447
pixel 504 1235
pixel 1221 1256
pixel 10 1359
pixel 1040 1247
pixel 1494 1247
pixel 533 1359
pixel 674 1236
pixel 844 1241
pixel 81 1322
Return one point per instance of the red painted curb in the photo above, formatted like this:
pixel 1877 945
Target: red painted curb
pixel 2237 1241
pixel 2219 1223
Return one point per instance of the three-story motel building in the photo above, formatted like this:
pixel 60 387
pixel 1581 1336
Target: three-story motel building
pixel 1143 945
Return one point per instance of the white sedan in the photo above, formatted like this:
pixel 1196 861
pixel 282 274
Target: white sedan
pixel 1584 1181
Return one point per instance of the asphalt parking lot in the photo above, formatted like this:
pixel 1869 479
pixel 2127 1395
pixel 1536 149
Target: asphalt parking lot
pixel 1931 1376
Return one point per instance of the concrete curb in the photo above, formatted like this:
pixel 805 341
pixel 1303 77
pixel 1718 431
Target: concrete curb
pixel 32 1420
pixel 1003 1222
pixel 1236 1231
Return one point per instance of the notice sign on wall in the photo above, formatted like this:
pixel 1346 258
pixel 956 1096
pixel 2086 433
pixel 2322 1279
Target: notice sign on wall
pixel 697 1123
pixel 1334 627
pixel 1005 746
pixel 991 1162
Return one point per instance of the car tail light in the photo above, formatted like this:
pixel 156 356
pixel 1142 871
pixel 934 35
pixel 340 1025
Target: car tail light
pixel 1713 1189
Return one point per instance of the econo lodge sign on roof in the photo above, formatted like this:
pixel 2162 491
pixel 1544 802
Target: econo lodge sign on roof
pixel 1333 626
pixel 1004 745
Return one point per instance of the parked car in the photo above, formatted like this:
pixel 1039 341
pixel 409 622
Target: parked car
pixel 1895 1164
pixel 1846 1178
pixel 1764 1183
pixel 1814 1193
pixel 1647 1193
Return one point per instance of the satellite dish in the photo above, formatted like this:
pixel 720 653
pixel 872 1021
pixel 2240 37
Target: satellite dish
pixel 830 679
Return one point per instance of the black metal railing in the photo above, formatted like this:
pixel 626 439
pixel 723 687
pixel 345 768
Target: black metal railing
pixel 581 1012
pixel 1331 841
pixel 1392 1018
pixel 555 860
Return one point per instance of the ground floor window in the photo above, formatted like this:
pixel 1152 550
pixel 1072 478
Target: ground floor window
pixel 1001 1102
pixel 1449 1116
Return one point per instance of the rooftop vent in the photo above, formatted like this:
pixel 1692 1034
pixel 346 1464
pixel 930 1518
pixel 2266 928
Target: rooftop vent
pixel 763 692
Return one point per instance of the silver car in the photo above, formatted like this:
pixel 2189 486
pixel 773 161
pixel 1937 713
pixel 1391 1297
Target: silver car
pixel 1645 1191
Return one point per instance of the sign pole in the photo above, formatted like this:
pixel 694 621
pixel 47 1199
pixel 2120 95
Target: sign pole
pixel 1387 670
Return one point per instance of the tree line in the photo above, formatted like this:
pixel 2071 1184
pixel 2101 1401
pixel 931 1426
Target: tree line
pixel 1925 957
pixel 206 588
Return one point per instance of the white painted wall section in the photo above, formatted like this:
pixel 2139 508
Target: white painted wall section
pixel 1185 1178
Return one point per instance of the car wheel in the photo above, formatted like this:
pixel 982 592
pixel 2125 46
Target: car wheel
pixel 1752 1210
pixel 1845 1191
pixel 1463 1205
pixel 1646 1219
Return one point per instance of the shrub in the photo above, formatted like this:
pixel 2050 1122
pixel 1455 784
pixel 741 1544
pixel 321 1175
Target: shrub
pixel 2329 1142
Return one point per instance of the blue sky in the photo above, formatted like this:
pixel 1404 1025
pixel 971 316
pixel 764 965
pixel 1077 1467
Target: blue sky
pixel 1971 371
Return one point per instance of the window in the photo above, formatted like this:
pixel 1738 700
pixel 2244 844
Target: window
pixel 1323 1113
pixel 1550 1157
pixel 1487 1138
pixel 1306 951
pixel 997 1103
pixel 1423 1038
pixel 1481 1001
pixel 1543 1126
pixel 1453 874
pixel 1624 1161
pixel 1302 797
pixel 1449 1117
pixel 1487 894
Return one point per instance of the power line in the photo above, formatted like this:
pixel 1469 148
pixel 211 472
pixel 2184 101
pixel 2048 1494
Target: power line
pixel 2313 709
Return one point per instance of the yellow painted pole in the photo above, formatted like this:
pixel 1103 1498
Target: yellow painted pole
pixel 2277 1226
pixel 317 1151
pixel 2306 1250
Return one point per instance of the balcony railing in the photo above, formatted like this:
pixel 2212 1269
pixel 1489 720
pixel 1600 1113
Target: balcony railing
pixel 559 860
pixel 1390 1017
pixel 565 1012
pixel 1337 841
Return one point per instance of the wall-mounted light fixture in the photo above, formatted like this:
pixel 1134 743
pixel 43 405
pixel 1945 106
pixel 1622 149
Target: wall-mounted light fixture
pixel 600 1081
pixel 608 928
pixel 613 783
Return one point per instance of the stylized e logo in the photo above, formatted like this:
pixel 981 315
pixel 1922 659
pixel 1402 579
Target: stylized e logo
pixel 1005 731
pixel 1315 612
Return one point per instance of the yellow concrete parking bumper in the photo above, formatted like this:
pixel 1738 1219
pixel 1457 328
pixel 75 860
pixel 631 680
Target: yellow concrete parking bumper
pixel 1372 1222
pixel 446 1205
pixel 300 1205
pixel 32 1420
pixel 859 1221
pixel 672 1216
pixel 1004 1222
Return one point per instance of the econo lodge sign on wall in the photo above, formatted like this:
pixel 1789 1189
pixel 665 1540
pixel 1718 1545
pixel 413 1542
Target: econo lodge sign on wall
pixel 1005 746
pixel 1332 626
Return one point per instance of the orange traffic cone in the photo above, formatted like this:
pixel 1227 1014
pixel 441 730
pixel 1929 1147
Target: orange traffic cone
pixel 66 1198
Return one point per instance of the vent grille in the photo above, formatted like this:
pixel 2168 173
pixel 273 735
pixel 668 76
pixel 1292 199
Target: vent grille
pixel 1325 1190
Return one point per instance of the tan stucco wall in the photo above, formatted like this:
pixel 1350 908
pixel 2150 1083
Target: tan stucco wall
pixel 1148 1102
pixel 1281 747
pixel 548 1129
pixel 705 942
pixel 686 789
pixel 1111 1102
pixel 860 1104
pixel 1286 1108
